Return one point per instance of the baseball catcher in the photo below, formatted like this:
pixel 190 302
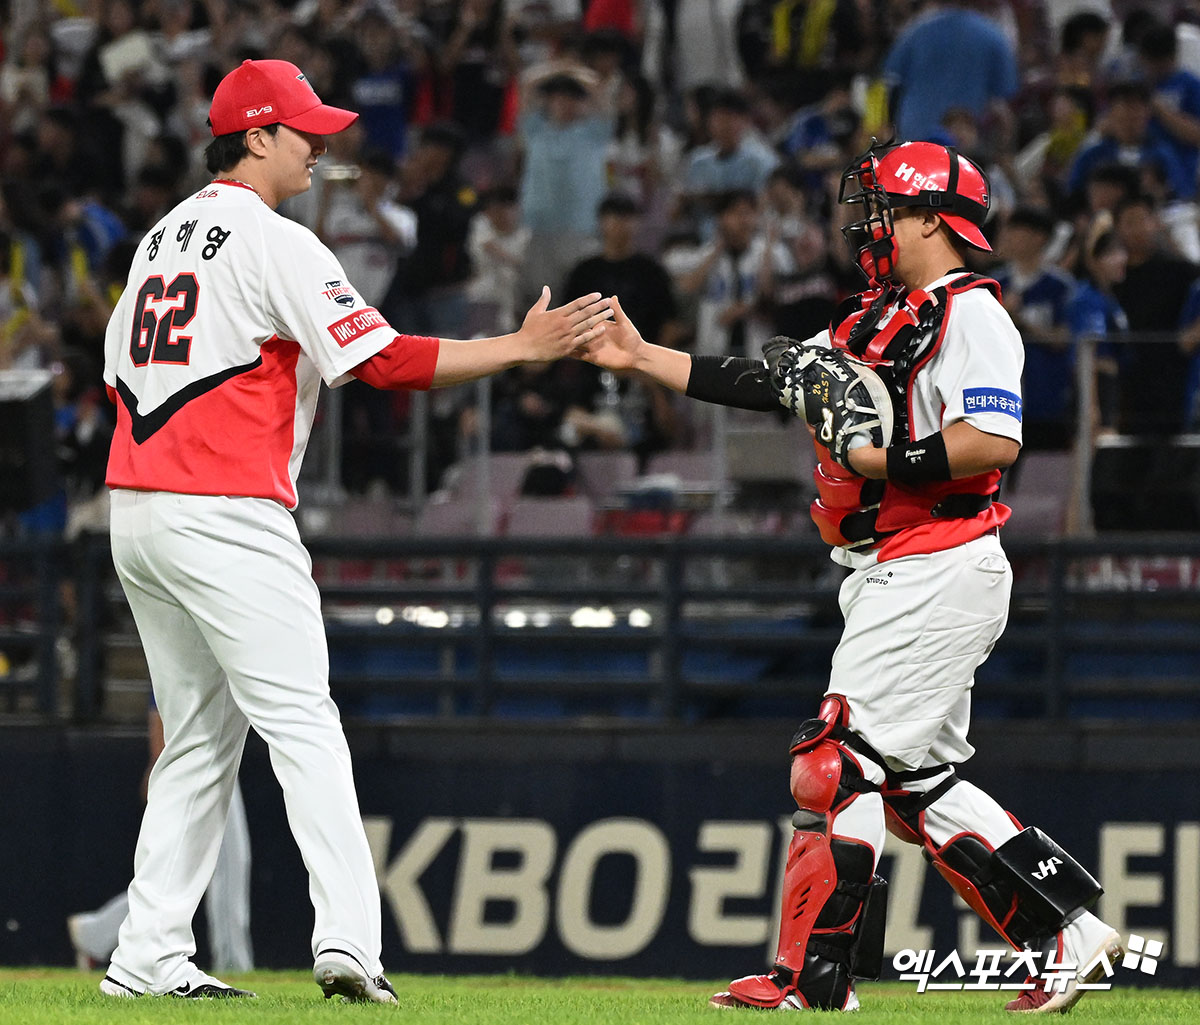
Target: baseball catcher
pixel 913 397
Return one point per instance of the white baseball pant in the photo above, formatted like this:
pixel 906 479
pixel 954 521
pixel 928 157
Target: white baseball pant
pixel 916 630
pixel 226 905
pixel 222 592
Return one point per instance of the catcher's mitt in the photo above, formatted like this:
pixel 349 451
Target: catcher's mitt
pixel 841 397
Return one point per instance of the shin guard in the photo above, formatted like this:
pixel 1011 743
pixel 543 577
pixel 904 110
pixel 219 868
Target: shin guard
pixel 1025 887
pixel 832 918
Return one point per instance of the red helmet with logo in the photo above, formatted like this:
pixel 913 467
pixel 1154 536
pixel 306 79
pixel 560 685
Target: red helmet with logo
pixel 924 174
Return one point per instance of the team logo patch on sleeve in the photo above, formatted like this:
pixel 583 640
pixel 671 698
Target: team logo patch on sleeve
pixel 992 400
pixel 353 327
pixel 341 294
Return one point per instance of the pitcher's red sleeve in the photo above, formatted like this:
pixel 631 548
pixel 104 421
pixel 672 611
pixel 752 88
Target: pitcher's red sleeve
pixel 111 392
pixel 408 362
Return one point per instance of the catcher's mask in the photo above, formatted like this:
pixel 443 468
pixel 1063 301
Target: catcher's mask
pixel 920 174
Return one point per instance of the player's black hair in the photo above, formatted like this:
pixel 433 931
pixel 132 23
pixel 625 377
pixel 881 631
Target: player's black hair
pixel 225 151
pixel 1078 27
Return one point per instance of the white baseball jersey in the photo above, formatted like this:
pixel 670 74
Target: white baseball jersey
pixel 230 319
pixel 974 375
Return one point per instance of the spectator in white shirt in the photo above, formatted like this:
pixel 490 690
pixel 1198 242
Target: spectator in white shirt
pixel 497 242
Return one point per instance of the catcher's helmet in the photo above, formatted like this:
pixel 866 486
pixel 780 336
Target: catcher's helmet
pixel 924 174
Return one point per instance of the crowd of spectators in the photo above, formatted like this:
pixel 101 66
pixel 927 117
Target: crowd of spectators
pixel 684 154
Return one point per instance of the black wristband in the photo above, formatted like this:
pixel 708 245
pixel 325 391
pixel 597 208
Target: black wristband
pixel 919 462
pixel 732 381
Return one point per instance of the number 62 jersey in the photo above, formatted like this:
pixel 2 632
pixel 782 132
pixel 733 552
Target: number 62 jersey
pixel 215 353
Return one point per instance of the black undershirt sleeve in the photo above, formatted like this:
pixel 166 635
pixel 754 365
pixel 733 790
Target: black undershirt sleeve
pixel 732 381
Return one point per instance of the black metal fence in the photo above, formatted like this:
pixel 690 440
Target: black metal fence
pixel 672 628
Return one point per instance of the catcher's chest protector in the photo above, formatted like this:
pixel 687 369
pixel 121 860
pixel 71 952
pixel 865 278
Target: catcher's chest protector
pixel 896 334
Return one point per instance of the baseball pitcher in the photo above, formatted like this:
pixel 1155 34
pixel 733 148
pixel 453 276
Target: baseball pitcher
pixel 231 318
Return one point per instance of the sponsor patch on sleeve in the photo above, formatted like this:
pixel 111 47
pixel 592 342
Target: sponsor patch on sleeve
pixel 350 329
pixel 992 400
pixel 339 293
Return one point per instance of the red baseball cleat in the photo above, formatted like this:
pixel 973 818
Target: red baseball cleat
pixel 1040 1000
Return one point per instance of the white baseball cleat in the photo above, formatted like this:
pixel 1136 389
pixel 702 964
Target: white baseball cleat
pixel 1040 1000
pixel 199 987
pixel 340 974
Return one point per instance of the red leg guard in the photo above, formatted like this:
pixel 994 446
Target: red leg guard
pixel 824 889
pixel 962 860
pixel 958 861
pixel 828 925
pixel 809 881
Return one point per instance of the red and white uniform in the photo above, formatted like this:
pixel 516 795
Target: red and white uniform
pixel 924 607
pixel 215 354
pixel 222 348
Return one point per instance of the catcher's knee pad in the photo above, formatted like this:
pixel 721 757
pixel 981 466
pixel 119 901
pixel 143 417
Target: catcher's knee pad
pixel 830 764
pixel 1026 889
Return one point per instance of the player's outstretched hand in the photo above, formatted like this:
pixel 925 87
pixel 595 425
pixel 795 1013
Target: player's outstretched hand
pixel 617 345
pixel 548 334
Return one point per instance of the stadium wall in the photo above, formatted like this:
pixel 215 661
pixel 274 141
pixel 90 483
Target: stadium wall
pixel 637 850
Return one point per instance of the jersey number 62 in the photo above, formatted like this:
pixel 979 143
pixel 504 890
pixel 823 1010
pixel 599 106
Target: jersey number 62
pixel 155 335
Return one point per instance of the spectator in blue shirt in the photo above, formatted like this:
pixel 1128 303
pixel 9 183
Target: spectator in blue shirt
pixel 949 57
pixel 734 160
pixel 382 94
pixel 1037 295
pixel 1094 312
pixel 1126 139
pixel 565 127
pixel 1175 99
pixel 817 136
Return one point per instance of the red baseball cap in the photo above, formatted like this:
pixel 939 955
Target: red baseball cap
pixel 268 91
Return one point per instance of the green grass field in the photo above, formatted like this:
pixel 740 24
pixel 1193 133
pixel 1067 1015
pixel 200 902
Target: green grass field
pixel 54 995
